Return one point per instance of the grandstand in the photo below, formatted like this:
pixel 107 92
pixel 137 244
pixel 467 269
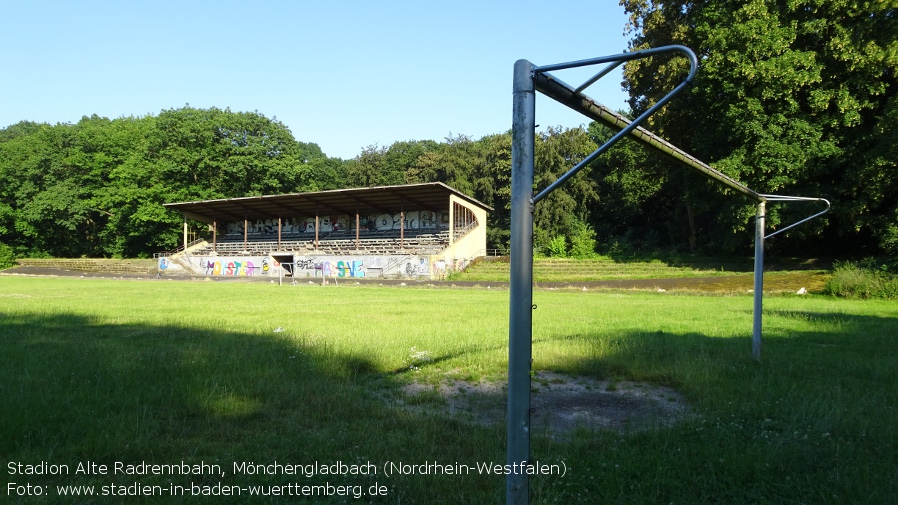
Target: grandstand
pixel 414 230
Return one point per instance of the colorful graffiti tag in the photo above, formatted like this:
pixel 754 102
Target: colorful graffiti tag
pixel 350 269
pixel 341 268
pixel 230 268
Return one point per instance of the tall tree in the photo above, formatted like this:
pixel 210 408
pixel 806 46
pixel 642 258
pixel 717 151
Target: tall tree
pixel 556 151
pixel 792 97
pixel 96 188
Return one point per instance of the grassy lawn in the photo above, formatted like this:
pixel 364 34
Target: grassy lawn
pixel 165 372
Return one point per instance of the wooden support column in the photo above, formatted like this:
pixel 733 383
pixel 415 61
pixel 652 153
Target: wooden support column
pixel 214 235
pixel 357 226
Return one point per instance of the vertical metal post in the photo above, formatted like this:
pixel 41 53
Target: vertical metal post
pixel 520 328
pixel 185 232
pixel 759 280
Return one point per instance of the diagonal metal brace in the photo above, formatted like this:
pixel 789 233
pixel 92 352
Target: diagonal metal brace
pixel 783 198
pixel 616 60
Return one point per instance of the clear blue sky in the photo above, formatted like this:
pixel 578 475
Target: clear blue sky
pixel 343 75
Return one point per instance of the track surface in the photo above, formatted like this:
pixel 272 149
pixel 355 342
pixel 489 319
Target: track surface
pixel 784 282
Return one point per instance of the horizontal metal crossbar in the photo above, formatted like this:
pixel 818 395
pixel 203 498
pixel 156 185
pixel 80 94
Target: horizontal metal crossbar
pixel 784 198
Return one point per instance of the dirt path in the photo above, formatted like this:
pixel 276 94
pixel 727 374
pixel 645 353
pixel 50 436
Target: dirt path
pixel 561 404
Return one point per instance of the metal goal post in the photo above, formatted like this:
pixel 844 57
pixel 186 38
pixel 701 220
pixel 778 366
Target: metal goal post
pixel 528 79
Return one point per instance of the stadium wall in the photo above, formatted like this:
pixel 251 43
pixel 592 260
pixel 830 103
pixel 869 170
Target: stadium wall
pixel 301 266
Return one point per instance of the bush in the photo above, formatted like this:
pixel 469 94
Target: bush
pixel 863 280
pixel 7 256
pixel 557 247
pixel 583 241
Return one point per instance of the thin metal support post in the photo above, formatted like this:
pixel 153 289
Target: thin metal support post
pixel 520 328
pixel 760 237
pixel 759 280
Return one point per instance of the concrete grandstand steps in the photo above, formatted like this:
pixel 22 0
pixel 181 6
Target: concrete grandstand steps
pixel 384 242
pixel 606 268
pixel 112 266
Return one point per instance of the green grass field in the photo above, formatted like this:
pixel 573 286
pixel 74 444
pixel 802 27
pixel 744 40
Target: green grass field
pixel 163 372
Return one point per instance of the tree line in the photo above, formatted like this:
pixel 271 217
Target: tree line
pixel 793 98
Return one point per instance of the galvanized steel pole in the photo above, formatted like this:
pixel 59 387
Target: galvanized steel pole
pixel 759 280
pixel 517 484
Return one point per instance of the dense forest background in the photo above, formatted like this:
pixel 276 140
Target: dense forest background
pixel 792 97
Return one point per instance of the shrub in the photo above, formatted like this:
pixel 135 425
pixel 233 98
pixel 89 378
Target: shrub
pixel 7 256
pixel 583 241
pixel 557 247
pixel 862 280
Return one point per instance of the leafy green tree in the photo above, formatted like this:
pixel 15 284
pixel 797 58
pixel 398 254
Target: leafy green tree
pixel 453 162
pixel 96 188
pixel 368 169
pixel 46 198
pixel 556 151
pixel 792 97
pixel 491 184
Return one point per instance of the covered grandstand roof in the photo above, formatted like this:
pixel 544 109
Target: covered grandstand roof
pixel 377 200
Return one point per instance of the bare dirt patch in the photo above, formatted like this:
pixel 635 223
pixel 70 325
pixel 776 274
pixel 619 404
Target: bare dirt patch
pixel 561 404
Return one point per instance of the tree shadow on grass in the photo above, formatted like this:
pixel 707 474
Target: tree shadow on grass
pixel 810 415
pixel 77 389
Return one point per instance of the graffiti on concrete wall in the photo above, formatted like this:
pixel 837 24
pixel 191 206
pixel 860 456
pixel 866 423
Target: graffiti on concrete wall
pixel 414 220
pixel 316 265
pixel 304 264
pixel 230 267
pixel 350 268
pixel 331 268
pixel 328 223
pixel 417 267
